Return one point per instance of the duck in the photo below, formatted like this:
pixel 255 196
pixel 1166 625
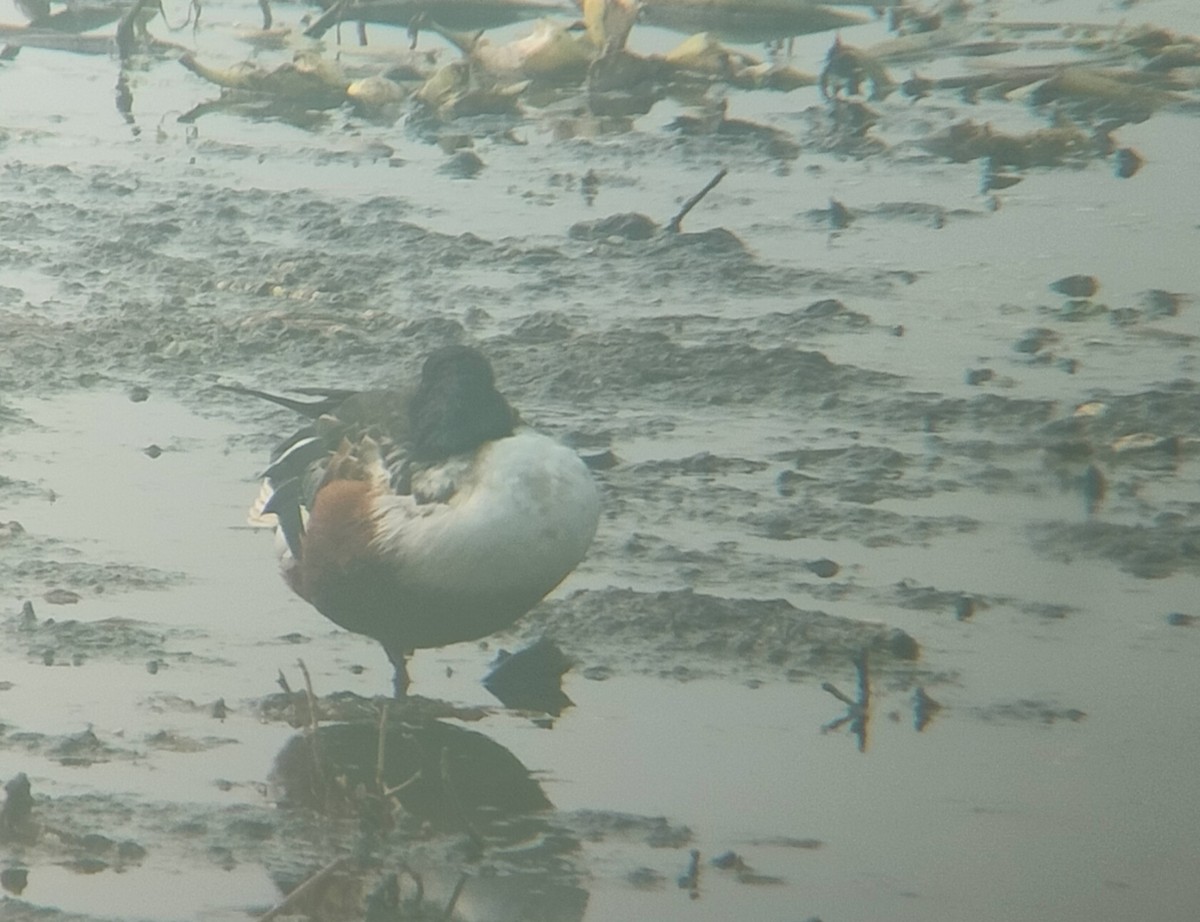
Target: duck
pixel 426 515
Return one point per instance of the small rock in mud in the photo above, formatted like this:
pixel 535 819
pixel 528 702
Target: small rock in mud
pixel 1078 309
pixel 152 451
pixel 10 530
pixel 62 597
pixel 139 394
pixel 785 483
pixel 645 878
pixel 1126 162
pixel 977 376
pixel 632 226
pixel 1179 619
pixel 16 817
pixel 1035 340
pixel 1158 302
pixel 543 327
pixel 14 880
pixel 839 216
pixel 1076 286
pixel 902 645
pixel 824 567
pixel 604 461
pixel 463 164
pixel 727 860
pixel 81 749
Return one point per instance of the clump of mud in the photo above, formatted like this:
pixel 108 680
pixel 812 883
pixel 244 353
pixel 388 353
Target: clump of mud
pixel 685 634
pixel 69 641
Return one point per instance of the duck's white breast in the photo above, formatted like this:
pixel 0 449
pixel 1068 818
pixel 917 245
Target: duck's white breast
pixel 523 516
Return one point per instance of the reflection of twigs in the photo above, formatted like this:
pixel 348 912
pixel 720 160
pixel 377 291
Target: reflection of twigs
pixel 125 99
pixel 690 879
pixel 862 667
pixel 858 726
pixel 857 711
pixel 383 714
pixel 313 881
pixel 413 779
pixel 268 19
pixel 674 223
pixel 126 28
pixel 838 693
pixel 458 889
pixel 380 761
pixel 456 804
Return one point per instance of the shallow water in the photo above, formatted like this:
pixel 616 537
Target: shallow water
pixel 752 434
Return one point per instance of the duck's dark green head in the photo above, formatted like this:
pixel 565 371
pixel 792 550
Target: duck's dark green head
pixel 456 407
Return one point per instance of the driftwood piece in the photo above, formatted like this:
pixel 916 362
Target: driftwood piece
pixel 465 15
pixel 748 20
pixel 17 36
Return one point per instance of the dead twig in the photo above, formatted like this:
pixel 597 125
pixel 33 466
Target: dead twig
pixel 309 695
pixel 689 880
pixel 673 225
pixel 333 16
pixel 314 881
pixel 310 732
pixel 456 804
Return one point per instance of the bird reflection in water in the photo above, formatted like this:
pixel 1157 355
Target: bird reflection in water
pixel 430 799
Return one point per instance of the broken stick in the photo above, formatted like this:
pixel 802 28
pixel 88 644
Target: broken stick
pixel 674 223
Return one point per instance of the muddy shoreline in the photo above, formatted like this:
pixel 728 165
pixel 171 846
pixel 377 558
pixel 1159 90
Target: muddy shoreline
pixel 881 393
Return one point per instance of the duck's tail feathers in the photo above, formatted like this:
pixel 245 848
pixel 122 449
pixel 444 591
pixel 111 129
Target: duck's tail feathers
pixel 331 398
pixel 279 507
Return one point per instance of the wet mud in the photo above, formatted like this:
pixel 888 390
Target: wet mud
pixel 897 430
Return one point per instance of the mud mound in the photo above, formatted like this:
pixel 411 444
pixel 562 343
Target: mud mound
pixel 686 634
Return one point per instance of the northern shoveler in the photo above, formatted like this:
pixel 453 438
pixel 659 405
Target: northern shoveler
pixel 426 516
